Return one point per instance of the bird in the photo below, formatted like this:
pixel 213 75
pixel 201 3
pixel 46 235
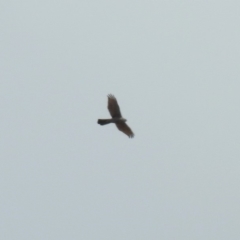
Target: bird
pixel 117 118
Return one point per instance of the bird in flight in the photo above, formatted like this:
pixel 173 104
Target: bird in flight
pixel 117 118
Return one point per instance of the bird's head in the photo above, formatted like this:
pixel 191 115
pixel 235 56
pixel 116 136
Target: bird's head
pixel 124 119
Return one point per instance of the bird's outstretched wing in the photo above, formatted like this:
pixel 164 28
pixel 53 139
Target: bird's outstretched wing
pixel 113 107
pixel 125 129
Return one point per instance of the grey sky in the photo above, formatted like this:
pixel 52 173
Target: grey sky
pixel 174 68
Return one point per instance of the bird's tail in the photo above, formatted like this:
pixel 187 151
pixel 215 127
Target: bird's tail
pixel 104 121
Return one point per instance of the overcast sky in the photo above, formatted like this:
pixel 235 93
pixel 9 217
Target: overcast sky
pixel 174 69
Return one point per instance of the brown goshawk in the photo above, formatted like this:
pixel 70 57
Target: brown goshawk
pixel 117 118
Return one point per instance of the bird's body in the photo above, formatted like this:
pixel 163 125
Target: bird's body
pixel 111 120
pixel 117 118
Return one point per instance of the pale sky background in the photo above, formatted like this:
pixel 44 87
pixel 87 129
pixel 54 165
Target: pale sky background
pixel 174 68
